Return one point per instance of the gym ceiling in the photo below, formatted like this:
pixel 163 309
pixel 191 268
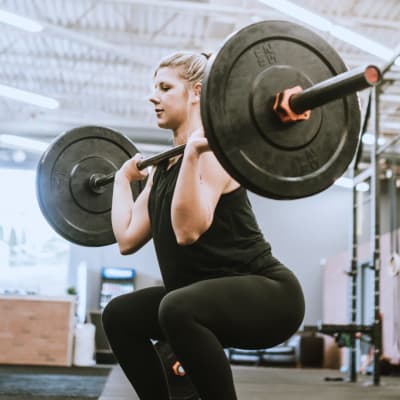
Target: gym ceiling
pixel 95 57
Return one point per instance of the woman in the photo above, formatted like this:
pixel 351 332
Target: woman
pixel 223 288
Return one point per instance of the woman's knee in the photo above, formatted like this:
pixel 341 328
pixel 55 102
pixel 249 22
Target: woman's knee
pixel 135 313
pixel 111 315
pixel 174 311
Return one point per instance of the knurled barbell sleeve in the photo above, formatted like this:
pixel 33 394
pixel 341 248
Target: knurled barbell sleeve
pixel 335 88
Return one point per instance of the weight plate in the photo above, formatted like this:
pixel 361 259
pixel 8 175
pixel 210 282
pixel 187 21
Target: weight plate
pixel 273 159
pixel 78 213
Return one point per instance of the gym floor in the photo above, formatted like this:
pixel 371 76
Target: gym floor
pixel 259 383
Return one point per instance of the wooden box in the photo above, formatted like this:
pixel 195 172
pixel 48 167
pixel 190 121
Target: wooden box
pixel 36 330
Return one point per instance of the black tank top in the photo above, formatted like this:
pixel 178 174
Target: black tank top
pixel 233 245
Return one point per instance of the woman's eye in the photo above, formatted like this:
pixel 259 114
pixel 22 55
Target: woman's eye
pixel 165 88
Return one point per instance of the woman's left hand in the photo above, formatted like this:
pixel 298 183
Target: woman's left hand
pixel 198 142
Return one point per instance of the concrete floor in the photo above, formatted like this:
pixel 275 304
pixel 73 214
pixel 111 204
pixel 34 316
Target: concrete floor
pixel 261 383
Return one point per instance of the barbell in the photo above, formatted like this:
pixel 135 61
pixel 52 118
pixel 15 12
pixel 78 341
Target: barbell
pixel 256 101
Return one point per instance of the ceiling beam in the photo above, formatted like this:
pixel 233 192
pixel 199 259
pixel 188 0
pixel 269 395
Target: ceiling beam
pixel 213 7
pixel 390 127
pixel 53 127
pixel 112 48
pixel 210 8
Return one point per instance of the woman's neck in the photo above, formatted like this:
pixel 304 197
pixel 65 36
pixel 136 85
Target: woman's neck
pixel 182 133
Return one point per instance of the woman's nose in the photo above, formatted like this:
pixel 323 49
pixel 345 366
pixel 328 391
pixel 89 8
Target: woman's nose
pixel 153 98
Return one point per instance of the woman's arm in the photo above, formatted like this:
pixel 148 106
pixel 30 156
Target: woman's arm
pixel 130 219
pixel 200 183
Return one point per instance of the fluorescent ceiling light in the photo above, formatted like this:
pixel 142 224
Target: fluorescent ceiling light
pixel 20 142
pixel 28 97
pixel 344 182
pixel 369 138
pixel 362 187
pixel 18 156
pixel 17 21
pixel 297 12
pixel 362 42
pixel 348 183
pixel 340 32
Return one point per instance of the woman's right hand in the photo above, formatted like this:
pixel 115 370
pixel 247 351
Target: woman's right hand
pixel 130 170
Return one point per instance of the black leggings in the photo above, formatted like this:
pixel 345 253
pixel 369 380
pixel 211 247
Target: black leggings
pixel 199 321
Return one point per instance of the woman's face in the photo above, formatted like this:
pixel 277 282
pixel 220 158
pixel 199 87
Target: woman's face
pixel 171 98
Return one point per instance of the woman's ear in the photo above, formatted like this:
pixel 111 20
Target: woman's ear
pixel 197 92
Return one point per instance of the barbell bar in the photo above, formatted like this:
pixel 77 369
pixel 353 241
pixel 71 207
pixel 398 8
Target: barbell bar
pixel 96 181
pixel 311 98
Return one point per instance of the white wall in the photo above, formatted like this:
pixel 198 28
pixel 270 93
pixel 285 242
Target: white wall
pixel 144 262
pixel 303 232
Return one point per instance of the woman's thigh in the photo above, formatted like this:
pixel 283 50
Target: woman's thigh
pixel 250 311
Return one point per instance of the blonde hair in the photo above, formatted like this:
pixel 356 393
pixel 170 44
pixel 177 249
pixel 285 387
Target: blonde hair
pixel 192 65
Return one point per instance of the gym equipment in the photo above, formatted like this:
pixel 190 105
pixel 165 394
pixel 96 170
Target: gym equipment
pixel 245 103
pixel 363 329
pixel 275 159
pixel 77 210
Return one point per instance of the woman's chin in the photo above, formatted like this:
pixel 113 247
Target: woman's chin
pixel 163 125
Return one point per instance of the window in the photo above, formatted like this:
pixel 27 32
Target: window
pixel 33 258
